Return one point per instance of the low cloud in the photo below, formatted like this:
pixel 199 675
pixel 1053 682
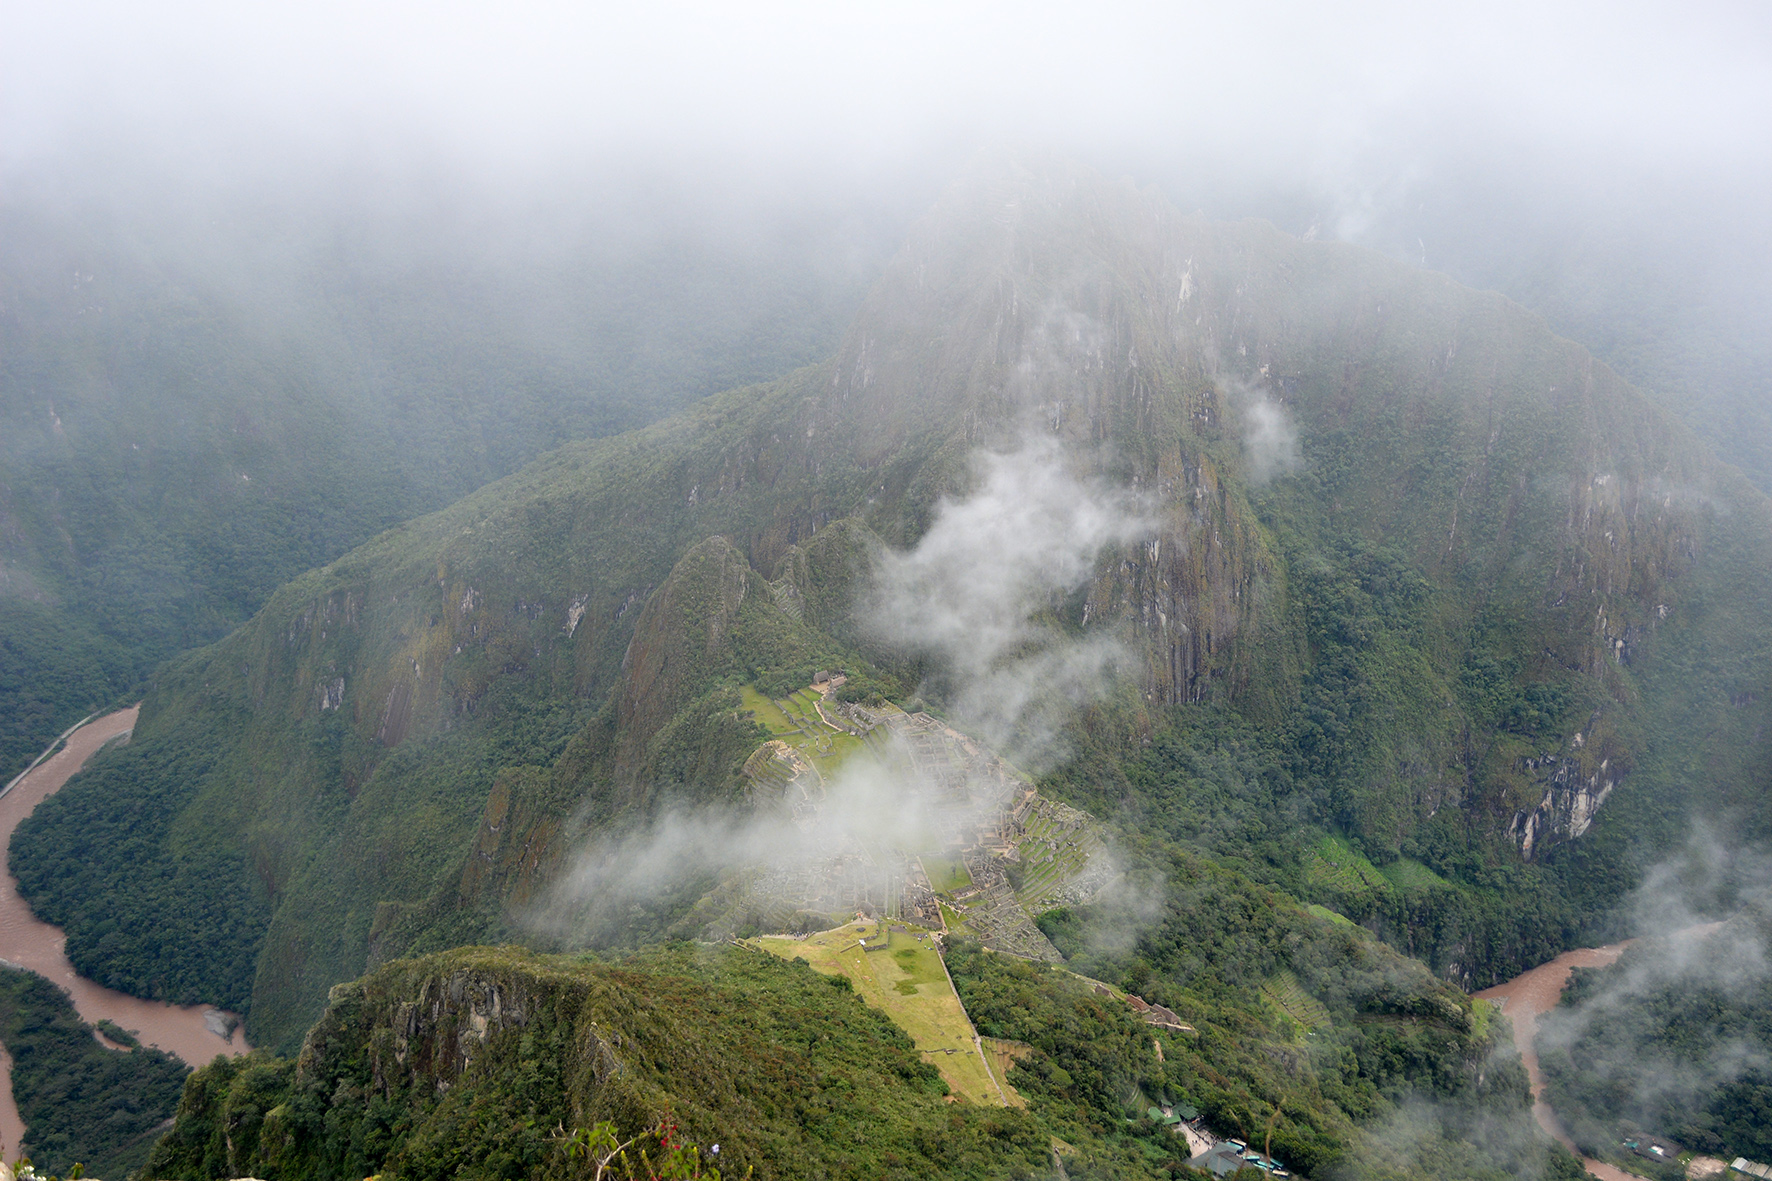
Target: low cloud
pixel 1466 1139
pixel 619 881
pixel 1628 1034
pixel 975 595
pixel 1270 441
pixel 701 871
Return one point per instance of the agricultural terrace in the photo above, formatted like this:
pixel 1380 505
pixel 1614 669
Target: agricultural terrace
pixel 1004 1054
pixel 1287 995
pixel 795 720
pixel 1057 850
pixel 908 983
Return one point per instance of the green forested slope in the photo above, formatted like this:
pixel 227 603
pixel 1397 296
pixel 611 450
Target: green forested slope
pixel 1440 675
pixel 199 403
pixel 474 1064
pixel 477 1062
pixel 1400 1073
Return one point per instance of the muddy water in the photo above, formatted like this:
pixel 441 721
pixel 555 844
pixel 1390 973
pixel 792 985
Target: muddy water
pixel 1527 997
pixel 193 1033
pixel 1530 995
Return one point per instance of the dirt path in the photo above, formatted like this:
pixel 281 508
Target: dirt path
pixel 191 1033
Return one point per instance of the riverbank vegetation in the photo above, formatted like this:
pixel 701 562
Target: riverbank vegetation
pixel 81 1102
pixel 186 937
pixel 1674 1040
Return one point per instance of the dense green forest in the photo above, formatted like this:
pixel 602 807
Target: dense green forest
pixel 1671 1040
pixel 1279 802
pixel 81 1103
pixel 1386 1087
pixel 787 1074
pixel 187 933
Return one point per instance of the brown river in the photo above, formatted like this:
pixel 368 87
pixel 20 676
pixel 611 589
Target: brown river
pixel 195 1033
pixel 1529 996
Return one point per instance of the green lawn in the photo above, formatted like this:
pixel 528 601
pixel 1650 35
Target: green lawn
pixel 795 721
pixel 946 874
pixel 908 983
pixel 1338 867
pixel 1412 877
pixel 769 714
pixel 953 919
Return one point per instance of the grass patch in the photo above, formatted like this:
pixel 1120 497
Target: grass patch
pixel 946 874
pixel 1339 869
pixel 952 919
pixel 769 715
pixel 1481 1013
pixel 908 983
pixel 1412 877
pixel 1323 912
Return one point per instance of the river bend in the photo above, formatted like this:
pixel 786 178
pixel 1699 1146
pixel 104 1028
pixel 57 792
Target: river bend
pixel 194 1033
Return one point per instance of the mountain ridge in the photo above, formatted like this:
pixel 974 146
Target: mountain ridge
pixel 1475 515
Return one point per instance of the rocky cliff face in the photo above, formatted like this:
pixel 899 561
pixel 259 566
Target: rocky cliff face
pixel 1571 803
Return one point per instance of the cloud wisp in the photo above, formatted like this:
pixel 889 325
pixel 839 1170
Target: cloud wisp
pixel 975 595
pixel 1654 1038
pixel 619 881
pixel 974 598
pixel 1270 441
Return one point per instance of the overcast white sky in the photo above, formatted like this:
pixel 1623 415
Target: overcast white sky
pixel 833 84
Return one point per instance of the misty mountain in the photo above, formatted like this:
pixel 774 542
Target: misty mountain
pixel 1470 620
pixel 362 352
pixel 201 398
pixel 1644 272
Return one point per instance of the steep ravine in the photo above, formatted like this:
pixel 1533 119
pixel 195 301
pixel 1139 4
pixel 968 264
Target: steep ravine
pixel 1470 492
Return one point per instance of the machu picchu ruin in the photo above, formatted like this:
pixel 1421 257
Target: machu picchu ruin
pixel 992 913
pixel 1008 853
pixel 1058 857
